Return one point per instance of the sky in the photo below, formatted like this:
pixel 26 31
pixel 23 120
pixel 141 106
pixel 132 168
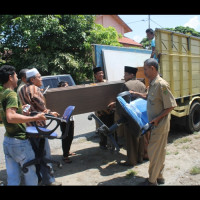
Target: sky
pixel 139 23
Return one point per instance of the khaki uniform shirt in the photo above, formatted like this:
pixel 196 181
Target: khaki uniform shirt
pixel 134 85
pixel 160 98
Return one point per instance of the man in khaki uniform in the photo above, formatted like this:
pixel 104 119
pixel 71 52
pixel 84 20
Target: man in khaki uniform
pixel 160 102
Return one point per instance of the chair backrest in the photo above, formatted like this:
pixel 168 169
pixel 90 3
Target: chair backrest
pixel 43 131
pixel 66 116
pixel 68 113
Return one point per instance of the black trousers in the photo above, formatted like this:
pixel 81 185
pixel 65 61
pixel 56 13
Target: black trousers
pixel 66 142
pixel 42 171
pixel 108 120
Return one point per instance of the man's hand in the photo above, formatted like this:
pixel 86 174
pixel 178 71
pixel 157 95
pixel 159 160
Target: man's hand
pixel 137 94
pixel 55 114
pixel 111 105
pixel 40 117
pixel 155 122
pixel 165 112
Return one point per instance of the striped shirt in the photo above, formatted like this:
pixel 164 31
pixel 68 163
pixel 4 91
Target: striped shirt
pixel 31 94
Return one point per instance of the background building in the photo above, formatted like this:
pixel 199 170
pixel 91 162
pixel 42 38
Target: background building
pixel 120 26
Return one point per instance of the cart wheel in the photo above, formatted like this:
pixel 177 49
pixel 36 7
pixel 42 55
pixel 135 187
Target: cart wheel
pixel 59 165
pixel 25 170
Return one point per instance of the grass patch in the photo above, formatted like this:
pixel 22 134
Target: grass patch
pixel 168 153
pixel 195 170
pixel 130 173
pixel 196 136
pixel 176 153
pixel 182 140
pixel 185 147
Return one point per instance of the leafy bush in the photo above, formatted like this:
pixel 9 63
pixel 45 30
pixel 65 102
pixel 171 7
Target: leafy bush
pixel 54 44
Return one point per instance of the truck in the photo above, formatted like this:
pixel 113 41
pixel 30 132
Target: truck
pixel 179 65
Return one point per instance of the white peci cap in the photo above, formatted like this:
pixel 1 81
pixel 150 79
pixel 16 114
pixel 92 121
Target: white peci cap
pixel 31 72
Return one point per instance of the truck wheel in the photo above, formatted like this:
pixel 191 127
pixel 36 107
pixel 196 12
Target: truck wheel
pixel 193 119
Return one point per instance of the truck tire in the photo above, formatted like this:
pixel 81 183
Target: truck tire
pixel 193 119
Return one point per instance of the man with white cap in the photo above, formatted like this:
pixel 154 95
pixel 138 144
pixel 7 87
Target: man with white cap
pixel 31 94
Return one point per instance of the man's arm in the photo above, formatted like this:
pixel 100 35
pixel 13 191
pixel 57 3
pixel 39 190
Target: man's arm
pixel 15 118
pixel 153 52
pixel 156 120
pixel 141 95
pixel 112 105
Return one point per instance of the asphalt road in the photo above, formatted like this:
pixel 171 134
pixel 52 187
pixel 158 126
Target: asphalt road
pixel 82 128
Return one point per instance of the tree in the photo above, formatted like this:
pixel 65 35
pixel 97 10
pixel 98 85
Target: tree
pixel 52 43
pixel 185 30
pixel 55 44
pixel 146 43
pixel 100 35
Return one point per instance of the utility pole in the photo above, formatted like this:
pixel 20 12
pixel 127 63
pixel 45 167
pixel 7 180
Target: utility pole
pixel 149 21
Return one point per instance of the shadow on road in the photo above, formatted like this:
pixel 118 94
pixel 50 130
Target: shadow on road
pixel 91 158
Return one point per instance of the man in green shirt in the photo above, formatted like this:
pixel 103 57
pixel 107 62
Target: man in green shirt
pixel 17 148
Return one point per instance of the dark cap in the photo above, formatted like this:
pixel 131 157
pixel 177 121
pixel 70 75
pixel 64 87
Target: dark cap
pixel 97 69
pixel 132 70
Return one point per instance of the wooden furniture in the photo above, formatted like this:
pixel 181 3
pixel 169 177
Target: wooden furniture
pixel 86 98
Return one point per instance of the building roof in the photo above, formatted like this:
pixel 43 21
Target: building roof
pixel 126 27
pixel 125 40
pixel 119 21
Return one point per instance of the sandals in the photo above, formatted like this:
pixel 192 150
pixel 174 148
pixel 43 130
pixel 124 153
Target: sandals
pixel 66 160
pixel 126 164
pixel 71 154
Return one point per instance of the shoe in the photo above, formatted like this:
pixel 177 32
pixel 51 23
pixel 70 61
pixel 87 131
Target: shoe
pixel 140 160
pixel 160 180
pixel 103 147
pixel 145 158
pixel 67 160
pixel 126 164
pixel 55 183
pixel 147 183
pixel 1 183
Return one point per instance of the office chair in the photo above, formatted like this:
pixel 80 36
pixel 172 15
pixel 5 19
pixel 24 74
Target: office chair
pixel 43 132
pixel 133 113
